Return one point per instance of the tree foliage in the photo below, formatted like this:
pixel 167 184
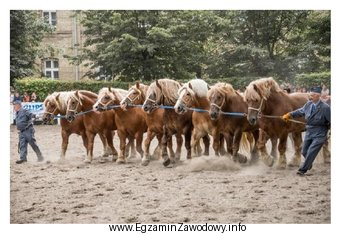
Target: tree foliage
pixel 27 29
pixel 145 45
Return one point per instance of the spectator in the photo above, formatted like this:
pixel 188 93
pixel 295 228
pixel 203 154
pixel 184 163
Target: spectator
pixel 26 97
pixel 16 97
pixel 34 97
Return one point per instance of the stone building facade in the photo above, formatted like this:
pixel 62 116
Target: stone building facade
pixel 66 40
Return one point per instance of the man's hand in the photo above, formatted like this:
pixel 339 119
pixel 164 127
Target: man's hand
pixel 286 117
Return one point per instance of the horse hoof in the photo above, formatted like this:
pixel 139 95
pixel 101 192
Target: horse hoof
pixel 120 161
pixel 281 167
pixel 105 155
pixel 242 159
pixel 166 162
pixel 145 162
pixel 87 161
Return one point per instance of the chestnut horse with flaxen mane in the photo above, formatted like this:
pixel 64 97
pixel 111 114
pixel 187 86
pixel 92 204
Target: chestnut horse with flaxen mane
pixel 265 97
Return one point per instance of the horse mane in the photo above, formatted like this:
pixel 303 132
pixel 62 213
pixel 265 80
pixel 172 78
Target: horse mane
pixel 142 88
pixel 169 90
pixel 62 99
pixel 261 88
pixel 119 93
pixel 198 87
pixel 224 89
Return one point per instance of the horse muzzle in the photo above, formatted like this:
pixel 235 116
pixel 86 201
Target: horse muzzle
pixel 70 118
pixel 214 115
pixel 252 120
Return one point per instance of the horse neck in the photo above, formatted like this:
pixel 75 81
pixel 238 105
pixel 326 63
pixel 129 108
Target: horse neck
pixel 87 101
pixel 201 102
pixel 274 102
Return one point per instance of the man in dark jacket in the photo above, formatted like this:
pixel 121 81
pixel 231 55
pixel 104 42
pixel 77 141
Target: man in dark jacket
pixel 26 133
pixel 317 116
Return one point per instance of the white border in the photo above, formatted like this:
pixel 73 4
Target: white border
pixel 171 5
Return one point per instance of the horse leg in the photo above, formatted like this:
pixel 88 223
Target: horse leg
pixel 229 140
pixel 235 147
pixel 297 139
pixel 157 150
pixel 179 142
pixel 195 140
pixel 254 149
pixel 65 142
pixel 91 138
pixel 139 139
pixel 109 138
pixel 130 145
pixel 222 150
pixel 206 140
pixel 165 143
pixel 282 146
pixel 188 135
pixel 217 142
pixel 261 144
pixel 121 156
pixel 146 143
pixel 274 142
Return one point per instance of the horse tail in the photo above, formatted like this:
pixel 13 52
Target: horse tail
pixel 246 142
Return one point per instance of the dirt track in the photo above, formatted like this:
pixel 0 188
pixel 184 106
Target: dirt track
pixel 207 189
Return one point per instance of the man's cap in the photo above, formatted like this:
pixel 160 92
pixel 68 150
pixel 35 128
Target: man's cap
pixel 316 89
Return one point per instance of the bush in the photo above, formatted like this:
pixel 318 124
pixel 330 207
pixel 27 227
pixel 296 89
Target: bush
pixel 44 86
pixel 312 79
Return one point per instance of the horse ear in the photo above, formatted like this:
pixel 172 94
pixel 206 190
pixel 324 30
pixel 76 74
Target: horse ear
pixel 109 88
pixel 255 88
pixel 137 85
pixel 208 87
pixel 76 94
pixel 57 97
pixel 190 86
pixel 158 85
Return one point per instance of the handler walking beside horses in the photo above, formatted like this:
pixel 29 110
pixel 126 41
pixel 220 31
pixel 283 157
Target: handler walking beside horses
pixel 317 116
pixel 26 133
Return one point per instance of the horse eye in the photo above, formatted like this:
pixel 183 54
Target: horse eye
pixel 106 97
pixel 188 94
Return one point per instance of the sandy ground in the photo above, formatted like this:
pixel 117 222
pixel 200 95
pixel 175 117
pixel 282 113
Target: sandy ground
pixel 206 189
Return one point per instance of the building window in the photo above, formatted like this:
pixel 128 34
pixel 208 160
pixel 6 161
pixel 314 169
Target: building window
pixel 50 17
pixel 51 68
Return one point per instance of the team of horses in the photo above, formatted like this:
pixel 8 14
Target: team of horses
pixel 196 110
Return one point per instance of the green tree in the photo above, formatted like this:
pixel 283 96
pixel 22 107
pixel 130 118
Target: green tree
pixel 146 45
pixel 27 29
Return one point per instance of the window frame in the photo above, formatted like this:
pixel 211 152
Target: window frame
pixel 51 69
pixel 49 19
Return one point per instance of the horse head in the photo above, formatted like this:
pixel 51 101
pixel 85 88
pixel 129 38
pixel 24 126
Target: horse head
pixel 104 99
pixel 52 108
pixel 74 105
pixel 256 93
pixel 135 96
pixel 189 95
pixel 153 97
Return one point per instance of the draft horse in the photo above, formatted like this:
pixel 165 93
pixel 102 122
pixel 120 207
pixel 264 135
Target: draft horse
pixel 194 95
pixel 130 124
pixel 55 104
pixel 136 96
pixel 265 98
pixel 225 105
pixel 94 122
pixel 165 92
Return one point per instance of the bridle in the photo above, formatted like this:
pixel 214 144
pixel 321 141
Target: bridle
pixel 219 107
pixel 137 97
pixel 259 109
pixel 79 102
